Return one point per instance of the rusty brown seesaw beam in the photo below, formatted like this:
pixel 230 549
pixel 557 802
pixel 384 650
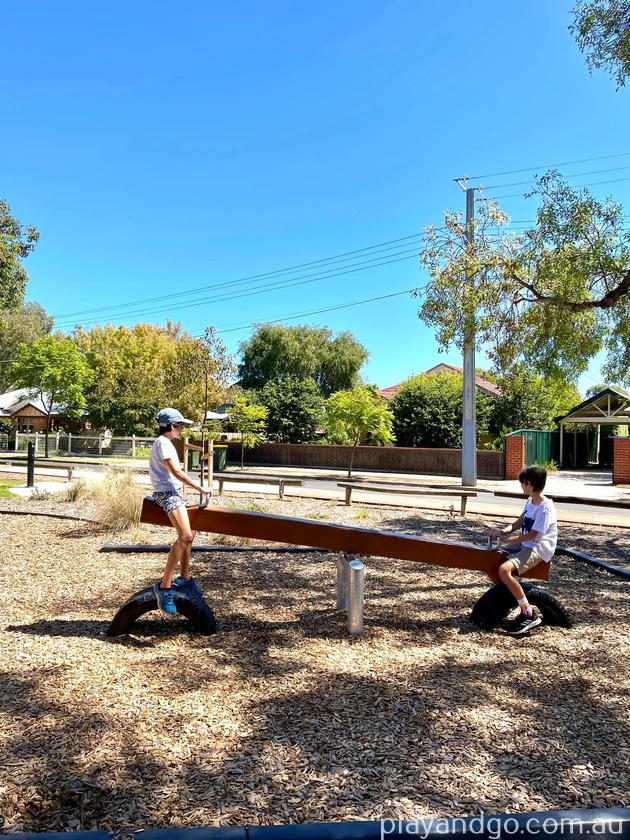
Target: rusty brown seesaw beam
pixel 346 540
pixel 342 538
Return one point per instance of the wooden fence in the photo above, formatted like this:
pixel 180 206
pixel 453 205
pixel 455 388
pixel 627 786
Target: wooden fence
pixel 490 464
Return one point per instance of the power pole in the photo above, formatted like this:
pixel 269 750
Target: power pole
pixel 469 425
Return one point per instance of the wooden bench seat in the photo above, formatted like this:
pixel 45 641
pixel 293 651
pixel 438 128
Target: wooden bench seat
pixel 405 490
pixel 251 479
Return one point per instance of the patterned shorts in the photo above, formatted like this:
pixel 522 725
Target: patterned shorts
pixel 169 500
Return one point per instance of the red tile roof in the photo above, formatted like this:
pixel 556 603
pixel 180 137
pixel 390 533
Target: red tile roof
pixel 483 384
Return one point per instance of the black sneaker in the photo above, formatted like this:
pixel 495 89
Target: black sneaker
pixel 524 623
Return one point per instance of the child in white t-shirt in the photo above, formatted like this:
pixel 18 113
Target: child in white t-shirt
pixel 168 481
pixel 535 544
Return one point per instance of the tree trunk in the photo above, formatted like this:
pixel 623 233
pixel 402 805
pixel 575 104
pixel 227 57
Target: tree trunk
pixel 352 457
pixel 242 453
pixel 46 436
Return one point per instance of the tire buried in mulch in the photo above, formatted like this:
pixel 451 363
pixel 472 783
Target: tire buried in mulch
pixel 495 604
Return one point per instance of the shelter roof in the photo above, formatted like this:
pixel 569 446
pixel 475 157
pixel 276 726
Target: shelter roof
pixel 609 406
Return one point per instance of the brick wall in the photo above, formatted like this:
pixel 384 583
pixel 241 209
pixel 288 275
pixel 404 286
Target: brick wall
pixel 621 461
pixel 514 456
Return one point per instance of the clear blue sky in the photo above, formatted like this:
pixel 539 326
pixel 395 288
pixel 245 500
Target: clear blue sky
pixel 161 149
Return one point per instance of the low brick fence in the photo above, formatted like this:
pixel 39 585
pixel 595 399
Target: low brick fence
pixel 490 464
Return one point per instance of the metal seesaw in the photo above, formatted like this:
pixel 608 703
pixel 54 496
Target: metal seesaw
pixel 349 541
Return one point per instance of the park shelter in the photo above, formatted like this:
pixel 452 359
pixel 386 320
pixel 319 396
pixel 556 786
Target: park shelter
pixel 609 407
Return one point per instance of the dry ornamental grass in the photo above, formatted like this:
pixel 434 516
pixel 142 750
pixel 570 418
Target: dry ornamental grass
pixel 280 717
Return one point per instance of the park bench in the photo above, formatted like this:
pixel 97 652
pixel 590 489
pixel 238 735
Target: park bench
pixel 258 479
pixel 405 490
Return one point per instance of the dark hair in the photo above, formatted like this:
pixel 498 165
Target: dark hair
pixel 164 429
pixel 537 477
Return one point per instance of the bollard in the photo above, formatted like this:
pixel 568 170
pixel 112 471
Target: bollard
pixel 342 582
pixel 355 597
pixel 30 464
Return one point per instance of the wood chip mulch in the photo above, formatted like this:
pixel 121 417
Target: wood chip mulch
pixel 280 717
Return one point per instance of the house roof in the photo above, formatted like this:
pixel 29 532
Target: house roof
pixel 13 401
pixel 484 385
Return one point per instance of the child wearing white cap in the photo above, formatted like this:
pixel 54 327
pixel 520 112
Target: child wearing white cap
pixel 168 480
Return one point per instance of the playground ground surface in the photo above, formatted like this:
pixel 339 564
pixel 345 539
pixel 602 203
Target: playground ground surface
pixel 280 717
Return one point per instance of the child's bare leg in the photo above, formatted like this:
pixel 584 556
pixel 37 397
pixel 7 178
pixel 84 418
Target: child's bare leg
pixel 507 571
pixel 180 551
pixel 184 565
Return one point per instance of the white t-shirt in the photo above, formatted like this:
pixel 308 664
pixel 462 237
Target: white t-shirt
pixel 162 478
pixel 541 518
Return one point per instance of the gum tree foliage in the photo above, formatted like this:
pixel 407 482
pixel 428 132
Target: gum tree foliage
pixel 274 351
pixel 249 420
pixel 55 371
pixel 24 325
pixel 530 401
pixel 16 243
pixel 356 415
pixel 601 29
pixel 550 298
pixel 295 409
pixel 140 369
pixel 427 411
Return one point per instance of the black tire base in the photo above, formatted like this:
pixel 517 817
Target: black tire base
pixel 496 603
pixel 194 609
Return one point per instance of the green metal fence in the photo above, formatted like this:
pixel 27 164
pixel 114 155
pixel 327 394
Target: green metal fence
pixel 541 447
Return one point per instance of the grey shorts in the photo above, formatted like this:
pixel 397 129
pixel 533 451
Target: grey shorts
pixel 169 500
pixel 524 559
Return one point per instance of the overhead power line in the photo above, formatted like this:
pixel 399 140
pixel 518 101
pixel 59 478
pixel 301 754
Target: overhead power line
pixel 587 184
pixel 573 175
pixel 243 326
pixel 343 257
pixel 546 166
pixel 238 293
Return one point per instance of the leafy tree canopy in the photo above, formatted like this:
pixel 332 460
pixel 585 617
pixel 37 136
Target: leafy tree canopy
pixel 602 31
pixel 352 416
pixel 304 352
pixel 295 409
pixel 428 411
pixel 54 369
pixel 16 243
pixel 550 299
pixel 141 369
pixel 249 420
pixel 530 401
pixel 19 326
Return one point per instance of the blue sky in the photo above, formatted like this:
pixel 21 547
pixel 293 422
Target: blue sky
pixel 162 150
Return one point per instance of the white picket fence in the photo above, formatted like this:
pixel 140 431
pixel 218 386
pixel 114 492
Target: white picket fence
pixel 68 444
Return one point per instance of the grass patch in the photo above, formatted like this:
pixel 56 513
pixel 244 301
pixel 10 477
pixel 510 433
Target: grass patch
pixel 6 484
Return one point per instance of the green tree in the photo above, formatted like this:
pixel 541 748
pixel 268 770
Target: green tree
pixel 352 416
pixel 295 409
pixel 428 410
pixel 249 421
pixel 20 326
pixel 551 298
pixel 530 401
pixel 274 351
pixel 16 243
pixel 55 371
pixel 602 31
pixel 140 369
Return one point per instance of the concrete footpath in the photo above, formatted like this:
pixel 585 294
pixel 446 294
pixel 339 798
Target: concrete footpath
pixel 581 487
